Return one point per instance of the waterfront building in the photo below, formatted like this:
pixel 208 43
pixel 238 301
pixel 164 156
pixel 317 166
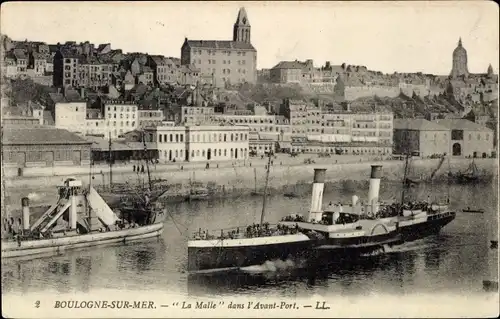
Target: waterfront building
pixel 200 143
pixel 468 139
pixel 339 130
pixel 42 146
pixel 421 136
pixel 224 62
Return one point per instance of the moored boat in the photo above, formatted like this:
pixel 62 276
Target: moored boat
pixel 80 218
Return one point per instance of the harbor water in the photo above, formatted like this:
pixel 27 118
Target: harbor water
pixel 454 261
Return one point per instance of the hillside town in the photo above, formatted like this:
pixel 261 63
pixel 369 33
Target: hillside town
pixel 70 104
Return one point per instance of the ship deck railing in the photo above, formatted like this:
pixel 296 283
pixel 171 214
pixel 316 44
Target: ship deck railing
pixel 242 232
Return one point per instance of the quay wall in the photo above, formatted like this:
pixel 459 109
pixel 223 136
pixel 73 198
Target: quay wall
pixel 240 180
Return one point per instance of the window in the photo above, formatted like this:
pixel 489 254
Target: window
pixel 225 152
pixel 181 137
pixel 203 153
pixel 224 138
pixel 160 138
pixel 192 153
pixel 232 139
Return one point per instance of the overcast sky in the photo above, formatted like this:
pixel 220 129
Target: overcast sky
pixel 384 36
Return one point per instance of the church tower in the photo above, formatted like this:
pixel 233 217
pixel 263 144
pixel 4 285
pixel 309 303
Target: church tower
pixel 459 67
pixel 241 29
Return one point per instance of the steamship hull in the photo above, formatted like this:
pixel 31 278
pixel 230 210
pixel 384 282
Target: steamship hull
pixel 428 226
pixel 228 254
pixel 40 247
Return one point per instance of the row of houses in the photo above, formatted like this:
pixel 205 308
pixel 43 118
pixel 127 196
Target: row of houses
pixel 33 145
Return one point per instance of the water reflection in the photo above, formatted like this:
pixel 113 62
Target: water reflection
pixel 454 260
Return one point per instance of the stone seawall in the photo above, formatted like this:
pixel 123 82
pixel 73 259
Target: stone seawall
pixel 243 180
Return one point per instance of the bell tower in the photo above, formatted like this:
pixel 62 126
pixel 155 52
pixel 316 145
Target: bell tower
pixel 241 28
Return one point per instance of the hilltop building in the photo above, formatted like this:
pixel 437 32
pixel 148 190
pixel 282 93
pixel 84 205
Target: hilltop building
pixel 459 66
pixel 224 62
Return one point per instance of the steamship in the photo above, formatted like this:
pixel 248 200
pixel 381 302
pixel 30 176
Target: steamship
pixel 343 234
pixel 347 231
pixel 372 227
pixel 80 218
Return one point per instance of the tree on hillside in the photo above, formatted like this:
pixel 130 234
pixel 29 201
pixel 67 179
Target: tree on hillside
pixel 24 90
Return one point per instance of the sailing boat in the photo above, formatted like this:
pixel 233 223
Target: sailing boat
pixel 470 175
pixel 250 245
pixel 118 193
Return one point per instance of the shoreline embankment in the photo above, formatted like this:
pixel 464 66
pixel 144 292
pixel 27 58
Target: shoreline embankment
pixel 243 180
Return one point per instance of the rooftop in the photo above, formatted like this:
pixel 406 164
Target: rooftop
pixel 289 65
pixel 462 124
pixel 219 44
pixel 39 135
pixel 417 125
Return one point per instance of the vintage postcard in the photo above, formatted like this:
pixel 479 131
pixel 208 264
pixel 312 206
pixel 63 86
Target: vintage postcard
pixel 253 159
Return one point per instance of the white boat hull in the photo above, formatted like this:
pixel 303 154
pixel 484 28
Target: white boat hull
pixel 59 245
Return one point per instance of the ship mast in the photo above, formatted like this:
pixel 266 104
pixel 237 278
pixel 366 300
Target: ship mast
pixel 265 189
pixel 405 176
pixel 110 163
pixel 4 212
pixel 147 159
pixel 448 179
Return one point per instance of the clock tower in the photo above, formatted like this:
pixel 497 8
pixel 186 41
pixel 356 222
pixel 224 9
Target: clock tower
pixel 241 29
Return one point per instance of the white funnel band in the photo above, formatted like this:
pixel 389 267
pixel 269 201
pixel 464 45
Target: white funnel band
pixel 25 203
pixel 373 192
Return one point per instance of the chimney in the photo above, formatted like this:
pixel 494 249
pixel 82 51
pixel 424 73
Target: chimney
pixel 317 194
pixel 374 190
pixel 82 93
pixel 25 203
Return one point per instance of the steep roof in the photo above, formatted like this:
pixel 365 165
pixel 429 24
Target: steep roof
pixel 219 44
pixel 19 54
pixel 462 124
pixel 289 65
pixel 242 17
pixel 417 125
pixel 36 135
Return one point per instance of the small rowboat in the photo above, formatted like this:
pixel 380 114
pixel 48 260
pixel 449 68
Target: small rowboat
pixel 473 211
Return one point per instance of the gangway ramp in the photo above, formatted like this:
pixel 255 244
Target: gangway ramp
pixel 101 209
